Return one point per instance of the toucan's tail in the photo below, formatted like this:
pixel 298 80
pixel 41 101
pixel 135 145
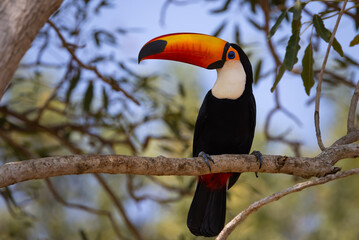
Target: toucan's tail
pixel 207 213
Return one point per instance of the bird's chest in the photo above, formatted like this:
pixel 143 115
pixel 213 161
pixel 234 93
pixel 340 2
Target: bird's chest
pixel 225 126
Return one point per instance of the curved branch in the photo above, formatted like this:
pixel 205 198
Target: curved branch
pixel 320 80
pixel 276 196
pixel 321 165
pixel 351 137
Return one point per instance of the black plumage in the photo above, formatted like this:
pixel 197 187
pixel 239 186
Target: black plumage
pixel 223 126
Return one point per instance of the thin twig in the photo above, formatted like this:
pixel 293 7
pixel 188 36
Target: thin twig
pixel 352 109
pixel 15 145
pixel 87 209
pixel 295 145
pixel 119 206
pixel 337 77
pixel 265 7
pixel 153 197
pixel 320 80
pixel 88 67
pixel 228 229
pixel 54 93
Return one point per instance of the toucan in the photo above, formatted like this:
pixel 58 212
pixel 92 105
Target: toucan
pixel 225 122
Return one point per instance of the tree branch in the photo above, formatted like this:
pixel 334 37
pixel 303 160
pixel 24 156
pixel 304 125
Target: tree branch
pixel 321 165
pixel 85 208
pixel 276 196
pixel 119 207
pixel 351 137
pixel 352 109
pixel 320 80
pixel 94 69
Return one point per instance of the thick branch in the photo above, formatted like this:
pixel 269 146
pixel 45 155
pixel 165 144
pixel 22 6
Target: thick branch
pixel 20 22
pixel 11 173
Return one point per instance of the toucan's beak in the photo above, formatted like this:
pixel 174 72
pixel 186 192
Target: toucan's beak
pixel 193 48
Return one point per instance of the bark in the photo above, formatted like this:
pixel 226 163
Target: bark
pixel 321 165
pixel 20 22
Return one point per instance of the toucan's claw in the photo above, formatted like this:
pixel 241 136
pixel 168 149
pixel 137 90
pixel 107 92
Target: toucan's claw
pixel 207 158
pixel 258 155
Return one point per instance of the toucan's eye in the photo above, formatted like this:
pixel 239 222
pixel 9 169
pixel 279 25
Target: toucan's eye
pixel 231 55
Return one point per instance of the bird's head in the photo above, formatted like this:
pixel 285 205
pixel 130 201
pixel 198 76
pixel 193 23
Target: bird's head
pixel 201 50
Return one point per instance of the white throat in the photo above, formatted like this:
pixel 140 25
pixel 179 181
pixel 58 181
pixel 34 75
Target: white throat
pixel 231 80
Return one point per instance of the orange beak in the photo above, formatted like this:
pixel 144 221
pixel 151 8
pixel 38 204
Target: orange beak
pixel 193 48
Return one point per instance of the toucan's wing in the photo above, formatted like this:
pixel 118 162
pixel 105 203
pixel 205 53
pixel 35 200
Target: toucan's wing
pixel 252 115
pixel 252 125
pixel 200 123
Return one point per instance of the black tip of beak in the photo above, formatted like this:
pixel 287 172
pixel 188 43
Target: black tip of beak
pixel 215 65
pixel 152 48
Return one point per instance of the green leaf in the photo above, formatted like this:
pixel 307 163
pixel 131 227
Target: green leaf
pixel 277 23
pixel 355 41
pixel 102 4
pixel 73 83
pixel 224 8
pixel 257 71
pixel 307 73
pixel 302 5
pixel 253 5
pixel 88 97
pixel 292 49
pixel 278 77
pixel 83 235
pixel 337 47
pixel 237 35
pixel 104 98
pixel 255 24
pixel 351 61
pixel 101 36
pixel 293 46
pixel 320 28
pixel 98 59
pixel 325 34
pixel 219 29
pixel 297 10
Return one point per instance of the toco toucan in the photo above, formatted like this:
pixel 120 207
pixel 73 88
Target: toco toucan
pixel 225 122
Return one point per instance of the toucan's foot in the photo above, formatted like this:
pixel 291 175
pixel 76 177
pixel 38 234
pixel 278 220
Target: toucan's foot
pixel 207 158
pixel 258 155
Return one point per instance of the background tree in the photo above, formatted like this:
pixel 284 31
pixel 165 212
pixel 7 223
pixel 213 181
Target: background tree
pixel 79 90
